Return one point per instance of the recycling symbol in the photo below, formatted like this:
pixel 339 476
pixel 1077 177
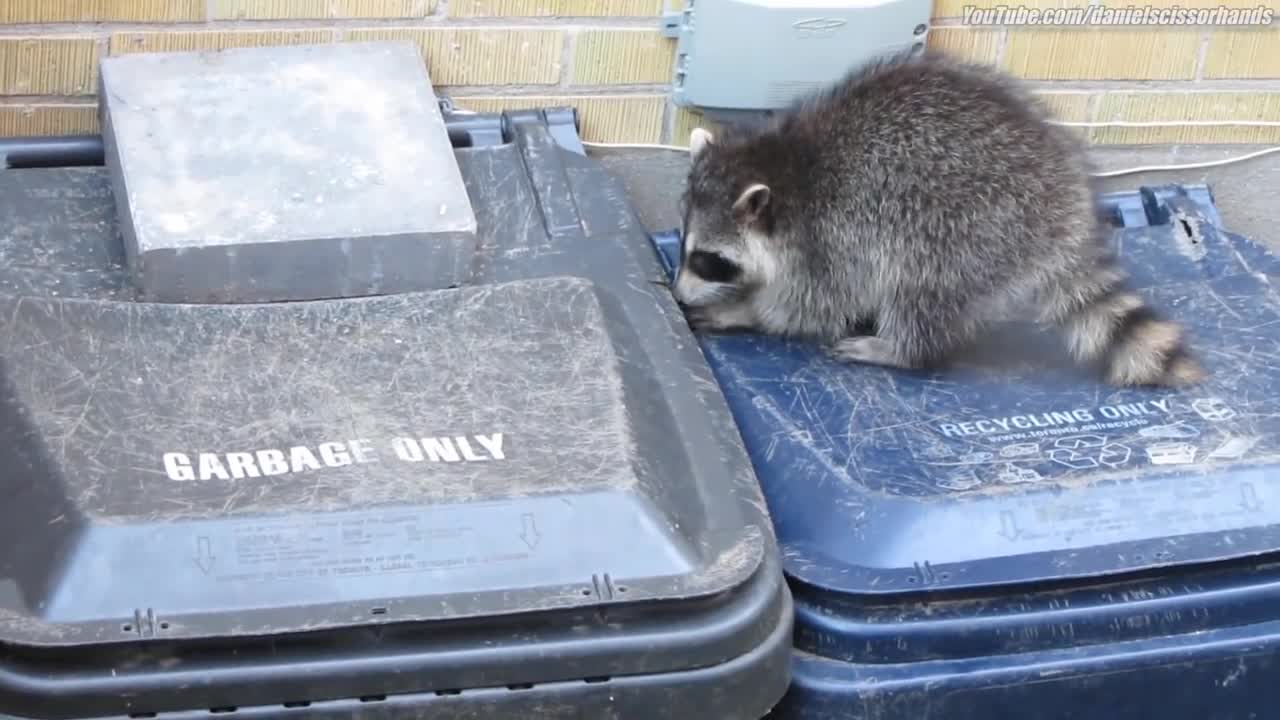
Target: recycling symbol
pixel 1082 452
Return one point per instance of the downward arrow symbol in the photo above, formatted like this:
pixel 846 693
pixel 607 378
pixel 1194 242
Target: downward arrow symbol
pixel 204 555
pixel 529 531
pixel 1009 526
pixel 1249 497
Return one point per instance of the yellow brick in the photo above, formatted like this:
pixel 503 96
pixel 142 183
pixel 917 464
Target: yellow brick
pixel 971 44
pixel 52 11
pixel 604 118
pixel 1103 54
pixel 1243 54
pixel 620 57
pixel 482 57
pixel 48 66
pixel 953 8
pixel 1066 106
pixel 19 121
pixel 134 42
pixel 1139 107
pixel 320 9
pixel 555 8
pixel 686 120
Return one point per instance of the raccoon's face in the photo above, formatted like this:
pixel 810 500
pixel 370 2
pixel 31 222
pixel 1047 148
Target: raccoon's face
pixel 724 253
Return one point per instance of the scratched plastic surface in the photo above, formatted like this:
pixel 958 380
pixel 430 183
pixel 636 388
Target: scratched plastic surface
pixel 428 505
pixel 885 481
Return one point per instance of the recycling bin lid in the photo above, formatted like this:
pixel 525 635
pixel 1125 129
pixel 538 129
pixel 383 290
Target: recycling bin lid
pixel 1024 469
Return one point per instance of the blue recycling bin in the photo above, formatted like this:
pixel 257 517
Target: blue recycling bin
pixel 1017 539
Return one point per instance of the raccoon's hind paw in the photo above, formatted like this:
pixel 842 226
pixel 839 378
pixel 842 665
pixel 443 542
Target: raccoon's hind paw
pixel 867 349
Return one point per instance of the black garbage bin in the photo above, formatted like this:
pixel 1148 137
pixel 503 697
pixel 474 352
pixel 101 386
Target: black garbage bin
pixel 524 497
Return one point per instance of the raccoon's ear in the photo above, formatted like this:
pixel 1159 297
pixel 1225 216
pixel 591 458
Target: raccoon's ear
pixel 751 203
pixel 699 139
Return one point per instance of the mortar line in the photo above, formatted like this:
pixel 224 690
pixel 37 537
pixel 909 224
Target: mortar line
pixel 49 100
pixel 1202 53
pixel 568 49
pixel 667 133
pixel 437 20
pixel 553 90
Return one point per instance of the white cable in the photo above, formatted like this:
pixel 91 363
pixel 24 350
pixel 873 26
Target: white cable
pixel 1170 123
pixel 1108 173
pixel 638 146
pixel 1104 123
pixel 1189 166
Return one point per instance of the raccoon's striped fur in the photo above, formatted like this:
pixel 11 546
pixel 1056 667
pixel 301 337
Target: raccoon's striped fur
pixel 926 197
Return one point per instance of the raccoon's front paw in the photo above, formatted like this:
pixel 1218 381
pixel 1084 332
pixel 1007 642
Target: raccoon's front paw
pixel 715 318
pixel 867 349
pixel 702 319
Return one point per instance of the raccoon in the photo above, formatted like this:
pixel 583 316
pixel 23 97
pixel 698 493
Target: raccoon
pixel 900 213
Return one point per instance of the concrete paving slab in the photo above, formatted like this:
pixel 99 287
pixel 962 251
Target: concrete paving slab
pixel 284 173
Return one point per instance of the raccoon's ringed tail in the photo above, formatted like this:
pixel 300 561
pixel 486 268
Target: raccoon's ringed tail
pixel 1152 351
pixel 1132 342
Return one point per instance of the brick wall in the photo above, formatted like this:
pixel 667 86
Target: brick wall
pixel 607 58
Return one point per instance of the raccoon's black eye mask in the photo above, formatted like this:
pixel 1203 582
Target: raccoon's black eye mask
pixel 713 267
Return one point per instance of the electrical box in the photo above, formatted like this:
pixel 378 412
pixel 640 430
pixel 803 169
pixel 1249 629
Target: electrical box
pixel 753 56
